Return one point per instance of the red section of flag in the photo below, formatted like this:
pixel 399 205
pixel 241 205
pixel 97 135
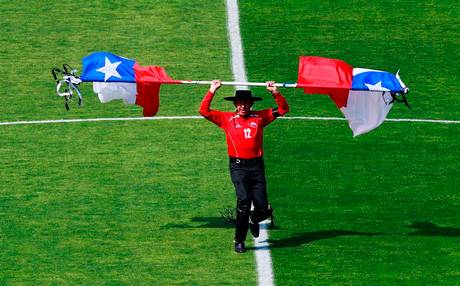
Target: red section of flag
pixel 152 74
pixel 322 74
pixel 340 97
pixel 149 80
pixel 325 76
pixel 148 96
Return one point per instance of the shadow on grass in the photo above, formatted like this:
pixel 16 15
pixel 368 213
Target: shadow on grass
pixel 203 222
pixel 308 237
pixel 206 222
pixel 422 229
pixel 425 228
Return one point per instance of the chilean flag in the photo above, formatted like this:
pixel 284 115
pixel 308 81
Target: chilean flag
pixel 363 95
pixel 116 77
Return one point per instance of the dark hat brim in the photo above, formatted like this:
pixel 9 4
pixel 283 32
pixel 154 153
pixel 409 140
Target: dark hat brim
pixel 234 98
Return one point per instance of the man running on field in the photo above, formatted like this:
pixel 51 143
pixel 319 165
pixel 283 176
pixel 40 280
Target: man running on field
pixel 244 133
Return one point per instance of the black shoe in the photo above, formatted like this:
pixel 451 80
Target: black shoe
pixel 239 247
pixel 255 228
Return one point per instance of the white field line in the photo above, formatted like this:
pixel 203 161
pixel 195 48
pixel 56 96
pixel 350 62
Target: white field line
pixel 439 121
pixel 423 120
pixel 26 122
pixel 236 46
pixel 99 119
pixel 263 256
pixel 262 251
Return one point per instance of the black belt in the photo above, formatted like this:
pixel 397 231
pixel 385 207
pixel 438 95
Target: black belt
pixel 247 162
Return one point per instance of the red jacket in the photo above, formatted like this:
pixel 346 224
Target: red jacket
pixel 244 135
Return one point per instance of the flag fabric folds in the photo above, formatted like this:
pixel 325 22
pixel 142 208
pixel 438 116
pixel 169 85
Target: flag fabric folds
pixel 322 75
pixel 364 96
pixel 116 77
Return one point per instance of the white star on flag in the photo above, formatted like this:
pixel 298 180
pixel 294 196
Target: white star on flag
pixel 109 69
pixel 376 87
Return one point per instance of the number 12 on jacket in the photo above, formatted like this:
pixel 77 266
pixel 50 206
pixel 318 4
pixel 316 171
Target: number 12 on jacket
pixel 247 133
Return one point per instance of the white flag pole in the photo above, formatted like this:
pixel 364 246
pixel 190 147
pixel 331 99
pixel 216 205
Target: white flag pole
pixel 207 82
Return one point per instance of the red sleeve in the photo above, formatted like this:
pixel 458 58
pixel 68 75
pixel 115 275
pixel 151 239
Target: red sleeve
pixel 268 115
pixel 283 106
pixel 215 116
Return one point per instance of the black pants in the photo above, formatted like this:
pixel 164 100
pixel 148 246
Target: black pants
pixel 248 176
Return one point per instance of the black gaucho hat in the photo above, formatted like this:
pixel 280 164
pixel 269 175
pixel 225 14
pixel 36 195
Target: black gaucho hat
pixel 243 94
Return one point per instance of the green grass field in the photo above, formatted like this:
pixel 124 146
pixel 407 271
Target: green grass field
pixel 137 203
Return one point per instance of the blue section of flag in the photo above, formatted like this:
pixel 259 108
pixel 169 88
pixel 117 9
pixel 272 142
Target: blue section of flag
pixel 107 67
pixel 384 79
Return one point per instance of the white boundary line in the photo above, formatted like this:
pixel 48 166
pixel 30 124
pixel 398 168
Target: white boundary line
pixel 236 46
pixel 262 251
pixel 263 257
pixel 438 121
pixel 99 119
pixel 424 120
pixel 27 122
